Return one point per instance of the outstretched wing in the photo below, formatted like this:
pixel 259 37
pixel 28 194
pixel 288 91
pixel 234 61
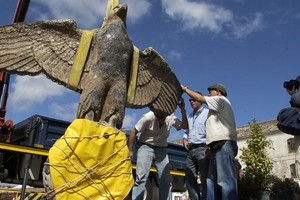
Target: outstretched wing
pixel 157 86
pixel 46 47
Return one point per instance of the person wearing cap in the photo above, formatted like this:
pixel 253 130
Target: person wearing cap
pixel 153 144
pixel 194 141
pixel 293 89
pixel 221 138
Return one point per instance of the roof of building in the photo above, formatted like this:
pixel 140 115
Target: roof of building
pixel 269 127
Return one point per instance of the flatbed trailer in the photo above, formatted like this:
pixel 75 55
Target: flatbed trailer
pixel 9 192
pixel 23 156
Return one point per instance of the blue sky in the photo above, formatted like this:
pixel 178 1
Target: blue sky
pixel 250 46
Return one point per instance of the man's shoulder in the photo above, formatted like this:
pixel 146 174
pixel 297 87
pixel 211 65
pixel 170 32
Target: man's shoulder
pixel 205 110
pixel 150 113
pixel 146 118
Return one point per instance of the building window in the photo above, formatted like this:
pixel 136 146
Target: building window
pixel 293 171
pixel 291 145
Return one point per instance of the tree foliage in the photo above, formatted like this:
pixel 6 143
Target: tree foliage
pixel 255 155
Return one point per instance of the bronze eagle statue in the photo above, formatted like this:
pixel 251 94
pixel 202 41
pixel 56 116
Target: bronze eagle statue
pixel 50 47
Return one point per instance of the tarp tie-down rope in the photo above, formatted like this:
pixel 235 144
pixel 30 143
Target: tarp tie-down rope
pixel 91 161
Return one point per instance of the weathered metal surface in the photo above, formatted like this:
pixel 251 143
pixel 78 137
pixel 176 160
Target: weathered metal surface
pixel 49 47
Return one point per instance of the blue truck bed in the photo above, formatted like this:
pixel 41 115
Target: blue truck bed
pixel 42 132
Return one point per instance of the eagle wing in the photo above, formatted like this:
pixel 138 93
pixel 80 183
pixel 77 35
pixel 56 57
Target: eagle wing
pixel 44 47
pixel 157 86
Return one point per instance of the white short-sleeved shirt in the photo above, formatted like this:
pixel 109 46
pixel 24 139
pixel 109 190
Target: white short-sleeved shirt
pixel 151 133
pixel 220 124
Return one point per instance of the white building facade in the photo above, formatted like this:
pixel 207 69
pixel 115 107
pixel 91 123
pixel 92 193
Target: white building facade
pixel 284 149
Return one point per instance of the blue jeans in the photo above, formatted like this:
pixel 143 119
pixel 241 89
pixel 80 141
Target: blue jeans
pixel 196 163
pixel 221 178
pixel 145 156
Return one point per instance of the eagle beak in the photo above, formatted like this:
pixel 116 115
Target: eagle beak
pixel 121 11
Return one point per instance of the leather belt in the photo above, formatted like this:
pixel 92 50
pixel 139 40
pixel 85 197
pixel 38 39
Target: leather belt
pixel 143 143
pixel 195 146
pixel 216 144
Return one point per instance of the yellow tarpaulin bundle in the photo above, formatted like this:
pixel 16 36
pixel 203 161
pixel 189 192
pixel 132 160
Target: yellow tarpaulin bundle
pixel 91 161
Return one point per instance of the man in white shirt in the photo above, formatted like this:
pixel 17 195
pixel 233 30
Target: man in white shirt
pixel 153 144
pixel 221 138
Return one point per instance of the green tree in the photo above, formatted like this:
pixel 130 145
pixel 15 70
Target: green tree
pixel 258 163
pixel 255 155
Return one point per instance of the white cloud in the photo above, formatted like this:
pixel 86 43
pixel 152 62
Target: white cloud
pixel 297 15
pixel 205 16
pixel 192 15
pixel 137 9
pixel 28 91
pixel 245 26
pixel 65 112
pixel 175 55
pixel 87 14
pixel 129 121
pixel 198 15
